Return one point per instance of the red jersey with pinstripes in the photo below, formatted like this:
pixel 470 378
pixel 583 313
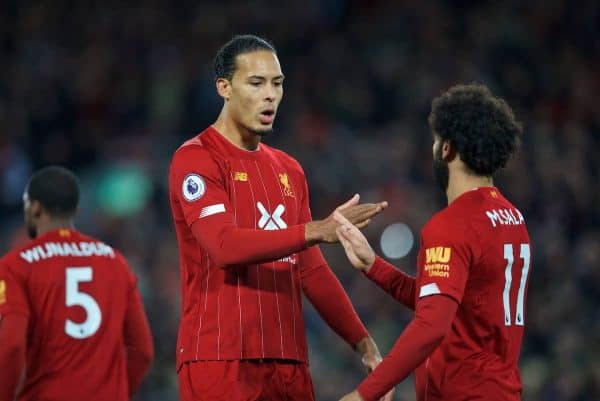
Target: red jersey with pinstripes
pixel 246 311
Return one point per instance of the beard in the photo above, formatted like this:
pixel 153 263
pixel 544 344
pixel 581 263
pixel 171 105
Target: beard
pixel 440 170
pixel 262 133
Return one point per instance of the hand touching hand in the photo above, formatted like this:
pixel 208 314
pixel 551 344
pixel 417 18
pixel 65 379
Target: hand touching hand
pixel 357 248
pixel 358 214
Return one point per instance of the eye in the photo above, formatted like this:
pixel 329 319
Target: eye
pixel 255 83
pixel 278 83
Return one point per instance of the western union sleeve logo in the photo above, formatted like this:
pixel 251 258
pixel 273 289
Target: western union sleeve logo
pixel 439 254
pixel 2 292
pixel 437 259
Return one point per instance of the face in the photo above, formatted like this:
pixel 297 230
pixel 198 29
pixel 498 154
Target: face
pixel 29 216
pixel 255 91
pixel 441 172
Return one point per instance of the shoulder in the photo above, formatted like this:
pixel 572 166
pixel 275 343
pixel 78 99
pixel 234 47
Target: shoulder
pixel 13 262
pixel 196 149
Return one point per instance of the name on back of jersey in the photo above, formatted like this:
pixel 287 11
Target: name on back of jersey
pixel 62 249
pixel 505 217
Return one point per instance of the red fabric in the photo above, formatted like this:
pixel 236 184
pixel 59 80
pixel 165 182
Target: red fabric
pixel 396 283
pixel 432 321
pixel 60 267
pixel 477 252
pixel 242 380
pixel 239 218
pixel 13 332
pixel 324 291
pixel 138 342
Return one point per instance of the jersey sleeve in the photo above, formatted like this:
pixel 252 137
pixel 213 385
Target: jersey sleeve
pixel 445 260
pixel 196 182
pixel 13 292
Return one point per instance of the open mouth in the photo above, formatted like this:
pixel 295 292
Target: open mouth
pixel 267 116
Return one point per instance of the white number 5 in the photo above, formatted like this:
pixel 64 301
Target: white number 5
pixel 509 256
pixel 75 275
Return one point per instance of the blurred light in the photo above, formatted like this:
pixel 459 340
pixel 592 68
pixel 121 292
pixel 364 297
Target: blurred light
pixel 123 191
pixel 396 240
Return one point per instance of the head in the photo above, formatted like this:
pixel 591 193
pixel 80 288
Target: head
pixel 472 129
pixel 250 81
pixel 51 196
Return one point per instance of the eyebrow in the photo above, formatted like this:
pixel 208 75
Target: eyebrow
pixel 263 78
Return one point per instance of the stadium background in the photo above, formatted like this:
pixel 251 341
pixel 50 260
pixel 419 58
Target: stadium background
pixel 110 90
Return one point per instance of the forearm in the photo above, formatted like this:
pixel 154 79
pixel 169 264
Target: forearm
pixel 12 354
pixel 228 245
pixel 420 338
pixel 399 285
pixel 327 295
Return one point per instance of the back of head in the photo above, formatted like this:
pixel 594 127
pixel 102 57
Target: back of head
pixel 57 189
pixel 481 127
pixel 225 60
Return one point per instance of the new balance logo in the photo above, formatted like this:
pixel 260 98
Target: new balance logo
pixel 270 221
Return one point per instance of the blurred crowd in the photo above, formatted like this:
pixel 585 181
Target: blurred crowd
pixel 110 89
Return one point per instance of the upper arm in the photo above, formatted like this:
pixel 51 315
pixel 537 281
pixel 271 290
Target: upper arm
pixel 13 292
pixel 196 183
pixel 445 260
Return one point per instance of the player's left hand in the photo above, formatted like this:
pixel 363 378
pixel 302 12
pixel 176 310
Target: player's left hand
pixel 353 396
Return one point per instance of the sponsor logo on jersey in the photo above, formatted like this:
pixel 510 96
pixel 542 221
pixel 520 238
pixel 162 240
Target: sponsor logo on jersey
pixel 240 176
pixel 438 254
pixel 505 217
pixel 271 221
pixel 494 194
pixel 437 259
pixel 2 292
pixel 193 187
pixel 287 188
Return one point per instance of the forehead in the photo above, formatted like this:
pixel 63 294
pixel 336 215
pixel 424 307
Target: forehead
pixel 259 63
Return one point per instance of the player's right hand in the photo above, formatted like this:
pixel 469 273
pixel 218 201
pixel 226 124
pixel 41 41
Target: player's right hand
pixel 357 248
pixel 357 214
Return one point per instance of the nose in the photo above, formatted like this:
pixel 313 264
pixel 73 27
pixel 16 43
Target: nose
pixel 270 93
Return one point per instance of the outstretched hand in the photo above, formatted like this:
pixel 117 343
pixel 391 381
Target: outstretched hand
pixel 357 214
pixel 357 248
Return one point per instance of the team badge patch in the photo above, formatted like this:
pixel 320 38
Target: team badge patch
pixel 193 187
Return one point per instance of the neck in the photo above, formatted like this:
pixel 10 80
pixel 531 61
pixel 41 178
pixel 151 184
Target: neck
pixel 463 181
pixel 54 224
pixel 235 133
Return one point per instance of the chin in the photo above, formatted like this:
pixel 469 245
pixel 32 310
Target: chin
pixel 262 132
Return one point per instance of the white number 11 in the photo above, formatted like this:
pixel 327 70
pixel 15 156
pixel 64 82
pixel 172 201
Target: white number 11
pixel 509 256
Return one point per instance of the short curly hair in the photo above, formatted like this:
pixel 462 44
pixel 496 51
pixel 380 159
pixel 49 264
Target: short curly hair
pixel 480 126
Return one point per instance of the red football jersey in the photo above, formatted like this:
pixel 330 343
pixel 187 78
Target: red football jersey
pixel 75 291
pixel 476 251
pixel 246 301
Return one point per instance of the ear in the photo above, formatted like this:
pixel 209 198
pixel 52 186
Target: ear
pixel 448 151
pixel 223 88
pixel 36 209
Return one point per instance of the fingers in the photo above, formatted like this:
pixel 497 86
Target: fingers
pixel 363 224
pixel 352 202
pixel 339 218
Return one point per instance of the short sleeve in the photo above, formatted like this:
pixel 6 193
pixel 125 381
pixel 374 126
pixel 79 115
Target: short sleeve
pixel 197 184
pixel 13 293
pixel 444 261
